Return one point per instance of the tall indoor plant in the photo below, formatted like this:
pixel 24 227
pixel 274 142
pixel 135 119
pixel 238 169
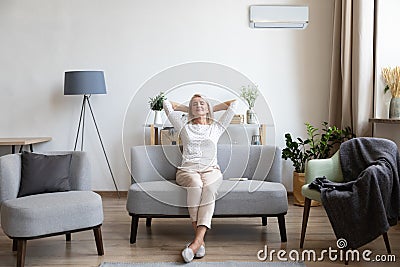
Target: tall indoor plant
pixel 320 144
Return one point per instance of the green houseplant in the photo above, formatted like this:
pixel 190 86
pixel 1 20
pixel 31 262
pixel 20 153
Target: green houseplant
pixel 156 104
pixel 320 144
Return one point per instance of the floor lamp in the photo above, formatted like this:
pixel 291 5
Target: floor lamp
pixel 87 83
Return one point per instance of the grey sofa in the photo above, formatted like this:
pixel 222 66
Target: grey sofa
pixel 48 214
pixel 155 194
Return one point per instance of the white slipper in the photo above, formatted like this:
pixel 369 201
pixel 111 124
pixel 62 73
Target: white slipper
pixel 201 252
pixel 187 254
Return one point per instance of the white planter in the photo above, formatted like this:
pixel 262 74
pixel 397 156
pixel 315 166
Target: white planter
pixel 158 117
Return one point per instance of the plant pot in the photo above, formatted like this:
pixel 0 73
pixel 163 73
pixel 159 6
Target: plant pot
pixel 394 108
pixel 298 198
pixel 158 117
pixel 251 117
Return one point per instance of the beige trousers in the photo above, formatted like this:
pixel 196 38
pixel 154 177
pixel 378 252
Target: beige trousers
pixel 201 190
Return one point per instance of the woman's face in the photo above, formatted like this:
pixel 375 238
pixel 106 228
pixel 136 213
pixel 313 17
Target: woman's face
pixel 199 107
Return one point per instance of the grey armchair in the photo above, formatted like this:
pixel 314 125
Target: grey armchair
pixel 48 214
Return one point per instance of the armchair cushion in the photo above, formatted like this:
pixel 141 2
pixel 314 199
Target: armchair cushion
pixel 44 214
pixel 44 173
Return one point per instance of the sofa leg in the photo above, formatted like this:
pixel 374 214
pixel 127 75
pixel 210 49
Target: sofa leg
pixel 264 220
pixel 387 244
pixel 134 228
pixel 14 245
pixel 282 227
pixel 306 213
pixel 68 237
pixel 21 253
pixel 148 221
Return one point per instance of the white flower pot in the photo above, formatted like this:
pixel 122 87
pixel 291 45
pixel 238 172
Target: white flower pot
pixel 158 117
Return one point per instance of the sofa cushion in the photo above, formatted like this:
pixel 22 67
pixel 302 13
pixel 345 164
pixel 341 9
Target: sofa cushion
pixel 49 213
pixel 234 198
pixel 251 197
pixel 44 173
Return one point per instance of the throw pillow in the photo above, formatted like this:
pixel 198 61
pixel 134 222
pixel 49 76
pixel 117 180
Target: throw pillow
pixel 44 173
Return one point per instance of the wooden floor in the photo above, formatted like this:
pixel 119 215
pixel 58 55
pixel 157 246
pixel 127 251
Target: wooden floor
pixel 231 239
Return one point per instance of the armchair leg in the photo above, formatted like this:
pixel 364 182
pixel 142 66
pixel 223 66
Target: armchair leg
pixel 387 244
pixel 264 220
pixel 134 228
pixel 282 227
pixel 148 221
pixel 21 253
pixel 99 240
pixel 306 213
pixel 68 237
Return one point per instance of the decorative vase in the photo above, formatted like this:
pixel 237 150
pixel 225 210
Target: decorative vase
pixel 251 116
pixel 394 108
pixel 256 140
pixel 157 117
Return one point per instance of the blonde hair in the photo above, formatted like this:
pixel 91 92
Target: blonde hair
pixel 210 114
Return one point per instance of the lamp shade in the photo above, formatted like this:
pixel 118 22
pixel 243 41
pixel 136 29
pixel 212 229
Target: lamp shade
pixel 84 83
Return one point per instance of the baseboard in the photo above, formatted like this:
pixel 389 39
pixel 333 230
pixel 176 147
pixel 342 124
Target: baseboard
pixel 122 194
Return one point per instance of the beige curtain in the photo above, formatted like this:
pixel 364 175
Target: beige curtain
pixel 352 73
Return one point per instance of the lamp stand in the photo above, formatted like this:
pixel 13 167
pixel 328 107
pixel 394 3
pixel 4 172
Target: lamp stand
pixel 82 123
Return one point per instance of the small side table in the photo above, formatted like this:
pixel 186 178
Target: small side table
pixel 388 121
pixel 382 121
pixel 22 141
pixel 156 128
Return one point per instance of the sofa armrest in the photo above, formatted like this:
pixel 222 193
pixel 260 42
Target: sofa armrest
pixel 330 168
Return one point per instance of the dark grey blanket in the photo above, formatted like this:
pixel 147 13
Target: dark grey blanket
pixel 368 202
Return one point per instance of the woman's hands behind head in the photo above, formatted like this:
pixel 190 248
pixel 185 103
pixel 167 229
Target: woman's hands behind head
pixel 223 106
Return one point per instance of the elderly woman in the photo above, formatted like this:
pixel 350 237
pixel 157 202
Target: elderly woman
pixel 199 172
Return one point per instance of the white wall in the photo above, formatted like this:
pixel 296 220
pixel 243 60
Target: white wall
pixel 134 40
pixel 387 43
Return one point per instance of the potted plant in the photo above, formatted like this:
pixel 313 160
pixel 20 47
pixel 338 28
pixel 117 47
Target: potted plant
pixel 392 80
pixel 156 104
pixel 250 94
pixel 320 144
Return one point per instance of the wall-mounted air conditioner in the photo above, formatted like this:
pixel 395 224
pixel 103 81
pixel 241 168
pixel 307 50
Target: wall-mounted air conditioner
pixel 279 17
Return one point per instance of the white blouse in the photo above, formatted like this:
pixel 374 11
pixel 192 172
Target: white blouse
pixel 199 141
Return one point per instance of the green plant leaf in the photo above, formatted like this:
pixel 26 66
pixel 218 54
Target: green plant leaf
pixel 386 89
